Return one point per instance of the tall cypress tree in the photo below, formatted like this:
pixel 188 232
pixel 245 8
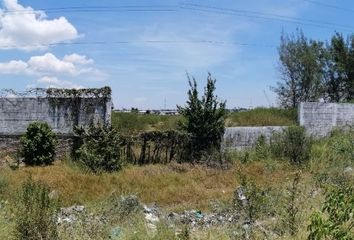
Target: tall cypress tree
pixel 204 118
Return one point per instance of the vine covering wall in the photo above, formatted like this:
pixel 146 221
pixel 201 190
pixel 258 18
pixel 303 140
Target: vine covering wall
pixel 62 109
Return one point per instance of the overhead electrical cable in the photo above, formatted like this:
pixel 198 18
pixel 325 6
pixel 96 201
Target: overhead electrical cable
pixel 329 6
pixel 209 42
pixel 261 15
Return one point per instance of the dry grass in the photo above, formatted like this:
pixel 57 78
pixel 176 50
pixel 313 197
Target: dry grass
pixel 173 186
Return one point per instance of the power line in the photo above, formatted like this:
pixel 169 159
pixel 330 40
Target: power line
pixel 189 6
pixel 174 8
pixel 329 5
pixel 209 42
pixel 267 16
pixel 127 8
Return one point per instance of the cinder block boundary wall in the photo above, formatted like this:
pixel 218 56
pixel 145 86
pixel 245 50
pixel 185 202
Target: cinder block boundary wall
pixel 238 138
pixel 61 113
pixel 319 119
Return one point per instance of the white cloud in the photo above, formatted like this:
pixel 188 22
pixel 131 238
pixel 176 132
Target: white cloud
pixel 54 82
pixel 13 67
pixel 50 63
pixel 25 28
pixel 50 70
pixel 78 59
pixel 70 65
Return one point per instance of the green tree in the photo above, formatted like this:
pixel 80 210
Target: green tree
pixel 204 118
pixel 38 144
pixel 301 69
pixel 349 83
pixel 336 76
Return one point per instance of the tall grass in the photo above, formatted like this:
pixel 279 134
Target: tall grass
pixel 263 117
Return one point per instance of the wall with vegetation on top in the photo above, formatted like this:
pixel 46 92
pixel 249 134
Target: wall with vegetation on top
pixel 61 113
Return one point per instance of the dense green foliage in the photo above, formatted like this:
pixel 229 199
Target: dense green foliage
pixel 311 70
pixel 336 218
pixel 99 148
pixel 35 213
pixel 204 118
pixel 38 144
pixel 300 68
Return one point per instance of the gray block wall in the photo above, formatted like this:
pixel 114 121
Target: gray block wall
pixel 319 119
pixel 238 138
pixel 62 114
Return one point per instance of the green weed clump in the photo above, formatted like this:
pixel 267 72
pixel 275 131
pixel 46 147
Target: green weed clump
pixel 35 213
pixel 335 221
pixel 38 144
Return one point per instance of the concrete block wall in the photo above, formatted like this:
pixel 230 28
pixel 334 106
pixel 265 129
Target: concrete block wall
pixel 319 119
pixel 238 138
pixel 11 145
pixel 62 114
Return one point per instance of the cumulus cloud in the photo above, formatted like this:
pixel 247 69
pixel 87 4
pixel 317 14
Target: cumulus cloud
pixel 72 65
pixel 78 59
pixel 50 70
pixel 13 67
pixel 25 28
pixel 54 82
pixel 50 63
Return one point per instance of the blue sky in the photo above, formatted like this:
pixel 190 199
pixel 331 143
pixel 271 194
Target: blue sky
pixel 143 49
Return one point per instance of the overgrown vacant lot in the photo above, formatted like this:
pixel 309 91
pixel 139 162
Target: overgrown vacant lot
pixel 130 123
pixel 179 187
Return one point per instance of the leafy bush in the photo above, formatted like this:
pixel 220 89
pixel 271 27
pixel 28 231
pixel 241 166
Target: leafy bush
pixel 292 144
pixel 35 214
pixel 204 119
pixel 99 148
pixel 38 144
pixel 335 220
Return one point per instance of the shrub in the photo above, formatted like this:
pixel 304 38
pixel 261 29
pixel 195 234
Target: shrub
pixel 261 148
pixel 204 119
pixel 100 149
pixel 335 221
pixel 292 144
pixel 35 214
pixel 38 144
